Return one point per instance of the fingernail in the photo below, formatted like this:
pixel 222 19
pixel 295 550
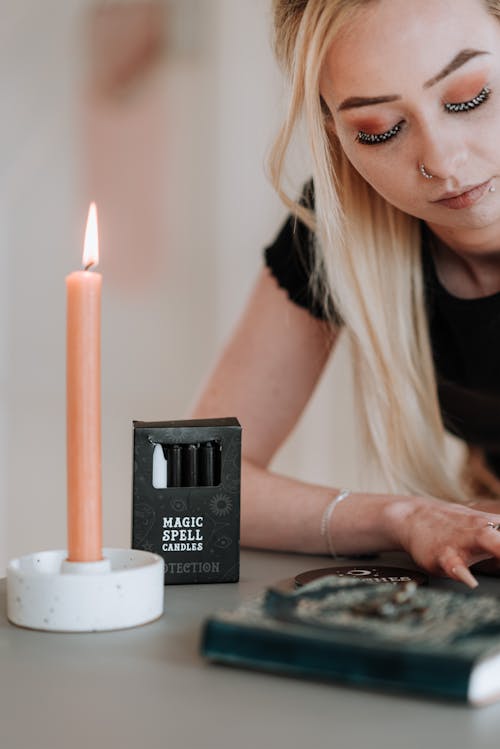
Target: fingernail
pixel 465 575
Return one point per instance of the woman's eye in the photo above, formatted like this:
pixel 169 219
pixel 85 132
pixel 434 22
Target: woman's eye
pixel 467 106
pixel 371 139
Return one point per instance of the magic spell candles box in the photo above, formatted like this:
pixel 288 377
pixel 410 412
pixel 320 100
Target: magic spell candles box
pixel 186 497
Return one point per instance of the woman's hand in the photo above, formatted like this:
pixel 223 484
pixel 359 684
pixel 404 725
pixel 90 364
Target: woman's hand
pixel 446 538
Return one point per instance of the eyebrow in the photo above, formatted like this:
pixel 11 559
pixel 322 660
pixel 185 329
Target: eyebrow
pixel 460 59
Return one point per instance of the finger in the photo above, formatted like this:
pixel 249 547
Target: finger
pixel 453 566
pixel 493 522
pixel 489 538
pixel 464 575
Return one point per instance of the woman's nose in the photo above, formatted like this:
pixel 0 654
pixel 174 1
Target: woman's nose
pixel 444 155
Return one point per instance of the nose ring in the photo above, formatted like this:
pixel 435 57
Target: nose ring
pixel 424 172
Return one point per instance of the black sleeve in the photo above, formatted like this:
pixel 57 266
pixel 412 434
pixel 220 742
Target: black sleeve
pixel 290 259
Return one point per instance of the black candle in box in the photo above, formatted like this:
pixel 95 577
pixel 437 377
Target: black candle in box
pixel 186 497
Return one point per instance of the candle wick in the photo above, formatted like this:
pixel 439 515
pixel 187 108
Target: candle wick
pixel 90 266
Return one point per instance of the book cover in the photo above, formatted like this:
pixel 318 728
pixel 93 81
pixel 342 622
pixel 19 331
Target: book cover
pixel 401 638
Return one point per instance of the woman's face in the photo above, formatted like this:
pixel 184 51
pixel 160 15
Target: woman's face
pixel 412 83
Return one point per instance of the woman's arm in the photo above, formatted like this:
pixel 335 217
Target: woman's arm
pixel 268 369
pixel 265 376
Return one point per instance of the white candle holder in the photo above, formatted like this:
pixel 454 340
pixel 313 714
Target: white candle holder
pixel 124 589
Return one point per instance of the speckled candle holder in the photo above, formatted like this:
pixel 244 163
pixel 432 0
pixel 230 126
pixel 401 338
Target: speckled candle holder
pixel 46 592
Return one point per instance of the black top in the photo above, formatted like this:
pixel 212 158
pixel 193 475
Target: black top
pixel 465 338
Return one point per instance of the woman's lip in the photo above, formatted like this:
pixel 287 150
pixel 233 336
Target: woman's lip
pixel 467 198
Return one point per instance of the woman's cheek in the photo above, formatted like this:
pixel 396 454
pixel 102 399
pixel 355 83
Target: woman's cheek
pixel 392 184
pixel 379 175
pixel 384 172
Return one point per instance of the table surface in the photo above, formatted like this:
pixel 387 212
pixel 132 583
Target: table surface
pixel 149 687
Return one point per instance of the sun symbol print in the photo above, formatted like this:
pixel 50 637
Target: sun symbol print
pixel 178 505
pixel 220 505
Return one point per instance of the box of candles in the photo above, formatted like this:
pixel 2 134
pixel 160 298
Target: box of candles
pixel 186 497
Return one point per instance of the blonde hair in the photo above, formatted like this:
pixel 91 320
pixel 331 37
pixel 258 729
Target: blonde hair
pixel 367 259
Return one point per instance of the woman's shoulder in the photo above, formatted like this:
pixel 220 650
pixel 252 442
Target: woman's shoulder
pixel 291 257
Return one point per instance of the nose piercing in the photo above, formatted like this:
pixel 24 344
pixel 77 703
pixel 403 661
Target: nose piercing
pixel 425 173
pixel 491 188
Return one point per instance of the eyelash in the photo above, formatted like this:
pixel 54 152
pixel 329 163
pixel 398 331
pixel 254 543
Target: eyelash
pixel 371 139
pixel 467 106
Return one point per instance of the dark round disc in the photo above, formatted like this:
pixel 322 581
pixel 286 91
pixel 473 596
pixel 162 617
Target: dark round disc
pixel 370 573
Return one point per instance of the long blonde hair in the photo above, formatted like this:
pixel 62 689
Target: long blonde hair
pixel 368 261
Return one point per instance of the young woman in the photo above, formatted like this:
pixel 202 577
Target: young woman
pixel 396 244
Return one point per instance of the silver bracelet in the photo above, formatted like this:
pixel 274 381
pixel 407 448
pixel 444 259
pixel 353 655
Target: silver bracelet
pixel 325 520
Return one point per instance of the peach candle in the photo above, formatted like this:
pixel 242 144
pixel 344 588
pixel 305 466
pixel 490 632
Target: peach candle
pixel 83 399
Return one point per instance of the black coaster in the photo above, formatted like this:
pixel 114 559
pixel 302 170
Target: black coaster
pixel 368 573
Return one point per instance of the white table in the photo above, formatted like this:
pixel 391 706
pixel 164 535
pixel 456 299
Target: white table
pixel 148 687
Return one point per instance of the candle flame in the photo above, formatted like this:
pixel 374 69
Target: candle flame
pixel 91 244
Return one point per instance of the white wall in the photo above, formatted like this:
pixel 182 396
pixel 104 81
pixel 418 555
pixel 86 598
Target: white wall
pixel 4 404
pixel 36 185
pixel 217 105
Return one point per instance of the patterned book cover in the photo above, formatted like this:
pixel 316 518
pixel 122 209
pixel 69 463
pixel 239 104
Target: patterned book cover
pixel 400 637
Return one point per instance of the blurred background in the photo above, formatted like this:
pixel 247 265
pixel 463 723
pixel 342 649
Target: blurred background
pixel 163 112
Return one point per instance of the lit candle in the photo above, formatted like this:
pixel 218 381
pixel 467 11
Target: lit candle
pixel 83 399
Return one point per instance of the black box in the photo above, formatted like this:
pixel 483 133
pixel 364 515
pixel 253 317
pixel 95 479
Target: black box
pixel 188 508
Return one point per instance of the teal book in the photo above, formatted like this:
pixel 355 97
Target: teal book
pixel 400 638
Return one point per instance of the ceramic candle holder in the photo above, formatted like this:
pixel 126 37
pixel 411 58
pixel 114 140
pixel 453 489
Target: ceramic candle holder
pixel 46 592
